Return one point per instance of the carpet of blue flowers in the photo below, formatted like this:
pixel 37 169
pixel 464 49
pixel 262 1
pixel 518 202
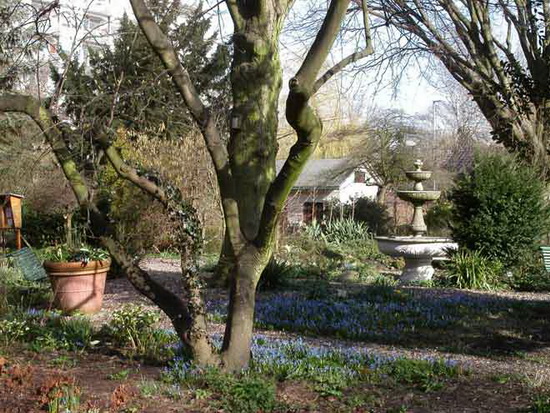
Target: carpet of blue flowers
pixel 372 313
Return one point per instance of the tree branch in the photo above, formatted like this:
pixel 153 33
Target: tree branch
pixel 322 44
pixel 303 119
pixel 42 117
pixel 206 123
pixel 129 173
pixel 233 8
pixel 338 67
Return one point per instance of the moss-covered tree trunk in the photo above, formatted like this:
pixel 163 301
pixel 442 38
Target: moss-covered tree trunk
pixel 256 79
pixel 252 195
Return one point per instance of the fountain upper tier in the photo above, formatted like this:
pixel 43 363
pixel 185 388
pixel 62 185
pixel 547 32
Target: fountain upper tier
pixel 418 197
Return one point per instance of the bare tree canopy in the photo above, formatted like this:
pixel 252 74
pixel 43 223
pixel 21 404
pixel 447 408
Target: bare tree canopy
pixel 499 50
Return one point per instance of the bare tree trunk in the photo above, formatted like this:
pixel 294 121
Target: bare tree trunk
pixel 252 196
pixel 382 194
pixel 239 326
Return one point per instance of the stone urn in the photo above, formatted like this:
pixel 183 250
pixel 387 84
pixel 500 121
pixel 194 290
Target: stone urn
pixel 78 286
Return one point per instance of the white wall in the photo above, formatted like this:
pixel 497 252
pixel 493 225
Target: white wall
pixel 79 23
pixel 350 190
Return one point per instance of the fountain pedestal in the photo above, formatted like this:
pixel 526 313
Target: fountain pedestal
pixel 417 250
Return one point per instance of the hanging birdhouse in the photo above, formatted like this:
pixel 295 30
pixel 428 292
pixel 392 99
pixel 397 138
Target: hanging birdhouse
pixel 10 215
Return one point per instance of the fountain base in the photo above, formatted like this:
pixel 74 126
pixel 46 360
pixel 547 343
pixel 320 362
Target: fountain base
pixel 418 253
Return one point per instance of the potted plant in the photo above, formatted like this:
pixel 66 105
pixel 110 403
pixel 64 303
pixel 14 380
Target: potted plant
pixel 77 276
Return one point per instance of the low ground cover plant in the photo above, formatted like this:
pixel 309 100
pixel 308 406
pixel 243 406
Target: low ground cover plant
pixel 458 321
pixel 133 329
pixel 70 253
pixel 327 251
pixel 329 371
pixel 47 330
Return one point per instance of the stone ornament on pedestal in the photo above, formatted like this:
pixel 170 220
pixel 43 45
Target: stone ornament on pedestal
pixel 418 250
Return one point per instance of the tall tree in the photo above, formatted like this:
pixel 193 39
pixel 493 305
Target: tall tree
pixel 252 196
pixel 383 152
pixel 498 50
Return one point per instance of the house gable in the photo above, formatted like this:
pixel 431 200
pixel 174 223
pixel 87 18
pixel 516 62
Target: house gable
pixel 322 181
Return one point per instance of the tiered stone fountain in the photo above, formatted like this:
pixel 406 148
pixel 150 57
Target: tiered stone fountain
pixel 418 250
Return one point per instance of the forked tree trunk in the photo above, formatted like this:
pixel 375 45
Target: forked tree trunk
pixel 256 80
pixel 252 196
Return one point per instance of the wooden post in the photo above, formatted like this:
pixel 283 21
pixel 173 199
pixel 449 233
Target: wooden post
pixel 18 244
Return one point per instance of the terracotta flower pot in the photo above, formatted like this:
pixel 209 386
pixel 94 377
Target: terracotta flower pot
pixel 78 286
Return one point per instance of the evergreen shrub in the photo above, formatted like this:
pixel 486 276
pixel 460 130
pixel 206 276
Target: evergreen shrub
pixel 499 209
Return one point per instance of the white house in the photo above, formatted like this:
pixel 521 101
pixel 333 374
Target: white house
pixel 74 27
pixel 322 182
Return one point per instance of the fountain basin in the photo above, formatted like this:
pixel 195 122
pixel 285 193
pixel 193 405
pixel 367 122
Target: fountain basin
pixel 418 175
pixel 413 196
pixel 418 253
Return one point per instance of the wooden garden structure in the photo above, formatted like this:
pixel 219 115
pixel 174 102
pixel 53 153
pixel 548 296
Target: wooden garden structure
pixel 11 218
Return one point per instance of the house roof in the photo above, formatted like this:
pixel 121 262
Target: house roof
pixel 11 194
pixel 322 173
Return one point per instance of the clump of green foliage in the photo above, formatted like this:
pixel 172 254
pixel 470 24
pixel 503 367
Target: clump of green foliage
pixel 67 253
pixel 247 392
pixel 472 270
pixel 369 213
pixel 421 374
pixel 339 231
pixel 439 218
pixel 499 209
pixel 133 328
pixel 530 275
pixel 18 293
pixel 47 330
pixel 63 395
pixel 276 274
pixel 328 250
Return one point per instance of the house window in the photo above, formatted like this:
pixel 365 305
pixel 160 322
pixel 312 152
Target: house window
pixel 359 177
pixel 313 211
